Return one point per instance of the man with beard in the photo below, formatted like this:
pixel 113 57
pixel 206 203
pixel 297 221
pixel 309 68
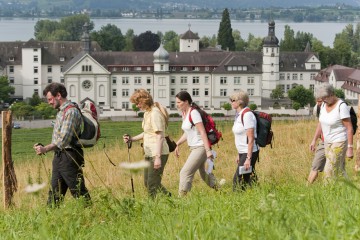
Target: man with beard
pixel 68 160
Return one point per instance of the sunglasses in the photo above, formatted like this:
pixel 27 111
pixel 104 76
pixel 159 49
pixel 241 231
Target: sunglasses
pixel 232 100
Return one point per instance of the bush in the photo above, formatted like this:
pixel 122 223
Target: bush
pixel 141 114
pixel 218 115
pixel 276 105
pixel 174 115
pixel 253 106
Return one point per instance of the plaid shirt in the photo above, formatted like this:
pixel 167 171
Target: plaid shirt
pixel 67 126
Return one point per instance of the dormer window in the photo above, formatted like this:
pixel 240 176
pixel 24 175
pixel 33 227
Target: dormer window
pixel 11 59
pixel 294 65
pixel 62 59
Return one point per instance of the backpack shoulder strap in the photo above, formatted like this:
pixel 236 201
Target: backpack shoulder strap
pixel 68 107
pixel 190 118
pixel 342 103
pixel 243 113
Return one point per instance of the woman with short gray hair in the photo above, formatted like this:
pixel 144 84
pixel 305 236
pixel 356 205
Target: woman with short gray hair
pixel 244 130
pixel 335 125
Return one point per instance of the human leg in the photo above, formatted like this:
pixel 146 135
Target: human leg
pixel 154 177
pixel 335 160
pixel 196 158
pixel 318 163
pixel 71 170
pixel 58 187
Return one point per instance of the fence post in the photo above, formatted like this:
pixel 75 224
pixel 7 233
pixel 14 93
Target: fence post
pixel 9 177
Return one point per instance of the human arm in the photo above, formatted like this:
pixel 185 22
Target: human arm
pixel 251 141
pixel 181 140
pixel 159 145
pixel 316 136
pixel 201 129
pixel 40 149
pixel 127 137
pixel 349 132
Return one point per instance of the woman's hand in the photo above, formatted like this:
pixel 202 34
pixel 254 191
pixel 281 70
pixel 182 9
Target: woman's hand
pixel 126 138
pixel 237 159
pixel 312 145
pixel 209 154
pixel 349 153
pixel 247 163
pixel 177 151
pixel 157 162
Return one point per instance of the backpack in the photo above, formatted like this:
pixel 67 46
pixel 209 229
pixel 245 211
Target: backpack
pixel 353 117
pixel 264 133
pixel 212 133
pixel 90 130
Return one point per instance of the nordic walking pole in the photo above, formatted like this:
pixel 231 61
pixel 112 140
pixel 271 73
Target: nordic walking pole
pixel 128 144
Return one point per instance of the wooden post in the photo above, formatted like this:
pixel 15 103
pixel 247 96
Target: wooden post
pixel 10 182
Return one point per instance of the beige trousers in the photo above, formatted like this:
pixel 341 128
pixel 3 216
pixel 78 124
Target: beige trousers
pixel 335 160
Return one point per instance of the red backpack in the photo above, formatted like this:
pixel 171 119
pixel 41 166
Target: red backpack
pixel 212 133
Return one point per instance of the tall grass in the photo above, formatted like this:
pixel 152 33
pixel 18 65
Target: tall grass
pixel 281 206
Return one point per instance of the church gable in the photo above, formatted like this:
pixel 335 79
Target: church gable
pixel 86 65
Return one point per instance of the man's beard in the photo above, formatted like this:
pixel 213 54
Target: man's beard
pixel 57 104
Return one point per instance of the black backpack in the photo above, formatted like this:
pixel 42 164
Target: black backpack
pixel 353 117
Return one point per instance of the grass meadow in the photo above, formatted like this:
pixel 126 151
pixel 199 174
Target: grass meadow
pixel 281 206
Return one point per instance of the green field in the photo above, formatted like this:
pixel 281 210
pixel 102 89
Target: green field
pixel 281 206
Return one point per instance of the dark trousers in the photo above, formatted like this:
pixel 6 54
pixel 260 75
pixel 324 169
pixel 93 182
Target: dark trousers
pixel 244 180
pixel 67 174
pixel 152 177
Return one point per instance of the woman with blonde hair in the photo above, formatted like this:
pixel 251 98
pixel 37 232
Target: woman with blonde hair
pixel 155 147
pixel 244 130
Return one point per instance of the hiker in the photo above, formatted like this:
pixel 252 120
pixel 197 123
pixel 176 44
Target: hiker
pixel 244 130
pixel 197 140
pixel 68 160
pixel 155 147
pixel 336 127
pixel 319 160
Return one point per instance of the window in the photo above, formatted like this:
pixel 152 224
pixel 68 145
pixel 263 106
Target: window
pixel 148 80
pixel 87 84
pixel 162 81
pixel 137 68
pixel 207 68
pixel 172 104
pixel 282 76
pixel 206 92
pixel 61 68
pixel 288 76
pixel 183 80
pixel 313 66
pixel 137 80
pixel 183 89
pixel 196 69
pixel 125 80
pixel 172 80
pixel 149 90
pixel 62 80
pixel 11 59
pixel 162 93
pixel 250 91
pixel 195 92
pixel 113 80
pixel 312 76
pixel 301 76
pixel 35 49
pixel 125 105
pixel 206 104
pixel 62 59
pixel 294 76
pixel 206 80
pixel 36 58
pixel 36 81
pixel 183 68
pixel 195 80
pixel 49 69
pixel 11 80
pixel 237 80
pixel 114 92
pixel 36 69
pixel 312 87
pixel 223 92
pixel 172 92
pixel 11 69
pixel 101 91
pixel 223 80
pixel 125 92
pixel 86 68
pixel 36 91
pixel 125 69
pixel 49 79
pixel 250 80
pixel 72 91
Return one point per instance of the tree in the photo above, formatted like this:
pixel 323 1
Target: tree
pixel 45 110
pixel 240 44
pixel 225 37
pixel 277 93
pixel 301 95
pixel 135 109
pixel 35 100
pixel 171 41
pixel 21 109
pixel 109 37
pixel 339 93
pixel 68 29
pixel 146 41
pixel 296 106
pixel 129 37
pixel 5 89
pixel 254 44
pixel 253 106
pixel 227 107
pixel 288 43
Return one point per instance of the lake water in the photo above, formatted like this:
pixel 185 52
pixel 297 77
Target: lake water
pixel 23 29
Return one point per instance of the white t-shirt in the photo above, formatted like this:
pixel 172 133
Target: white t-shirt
pixel 193 135
pixel 239 130
pixel 331 123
